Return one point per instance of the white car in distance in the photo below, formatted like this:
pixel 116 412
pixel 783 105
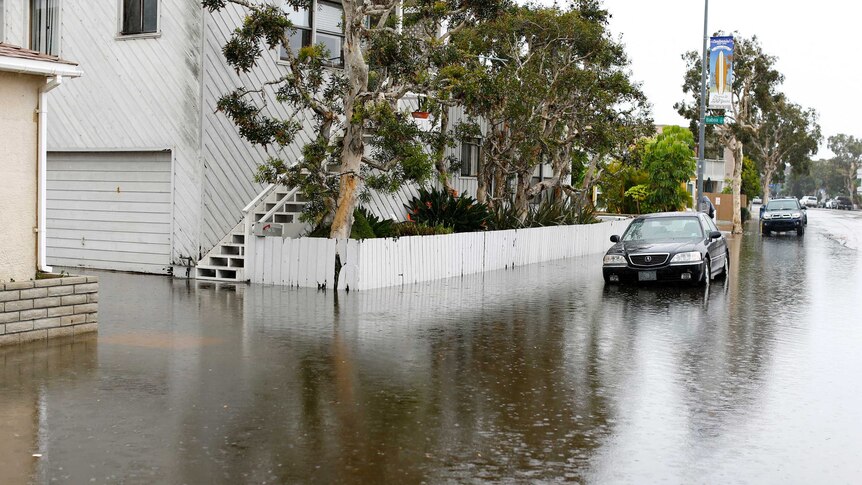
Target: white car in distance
pixel 808 201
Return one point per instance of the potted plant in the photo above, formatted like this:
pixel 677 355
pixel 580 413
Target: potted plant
pixel 422 112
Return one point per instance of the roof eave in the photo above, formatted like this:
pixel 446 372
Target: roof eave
pixel 39 67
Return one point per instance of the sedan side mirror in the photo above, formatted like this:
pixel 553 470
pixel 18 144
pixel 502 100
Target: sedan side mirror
pixel 615 239
pixel 715 234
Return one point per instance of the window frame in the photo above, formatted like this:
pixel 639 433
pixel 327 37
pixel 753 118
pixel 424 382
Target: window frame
pixel 472 167
pixel 313 34
pixel 55 34
pixel 141 35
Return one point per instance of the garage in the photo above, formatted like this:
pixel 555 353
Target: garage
pixel 110 210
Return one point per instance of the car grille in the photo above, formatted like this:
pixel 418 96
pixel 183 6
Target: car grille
pixel 647 260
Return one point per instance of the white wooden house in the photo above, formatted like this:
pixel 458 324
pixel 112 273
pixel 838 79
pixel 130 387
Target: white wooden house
pixel 143 174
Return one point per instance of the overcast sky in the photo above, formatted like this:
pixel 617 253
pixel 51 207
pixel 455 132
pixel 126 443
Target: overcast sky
pixel 816 44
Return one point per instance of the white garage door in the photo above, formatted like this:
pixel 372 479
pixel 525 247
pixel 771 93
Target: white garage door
pixel 110 210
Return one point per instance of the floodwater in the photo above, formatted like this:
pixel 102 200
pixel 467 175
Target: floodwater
pixel 538 374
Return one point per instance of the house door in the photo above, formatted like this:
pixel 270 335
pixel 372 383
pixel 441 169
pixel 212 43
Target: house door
pixel 110 210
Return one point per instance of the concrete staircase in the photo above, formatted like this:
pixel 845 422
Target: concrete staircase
pixel 226 261
pixel 276 205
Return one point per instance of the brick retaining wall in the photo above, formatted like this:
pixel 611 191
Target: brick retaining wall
pixel 48 308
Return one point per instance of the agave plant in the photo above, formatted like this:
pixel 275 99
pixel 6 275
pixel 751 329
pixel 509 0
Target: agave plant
pixel 558 213
pixel 436 207
pixel 504 216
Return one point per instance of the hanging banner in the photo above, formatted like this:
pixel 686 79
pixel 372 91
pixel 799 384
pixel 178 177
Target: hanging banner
pixel 720 72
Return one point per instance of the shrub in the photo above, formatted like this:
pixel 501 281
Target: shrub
pixel 438 207
pixel 361 229
pixel 504 216
pixel 744 214
pixel 366 225
pixel 418 229
pixel 380 227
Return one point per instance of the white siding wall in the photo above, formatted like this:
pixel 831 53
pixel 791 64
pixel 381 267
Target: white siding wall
pixel 229 161
pixel 15 23
pixel 136 94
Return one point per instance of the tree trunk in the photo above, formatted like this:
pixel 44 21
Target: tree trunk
pixel 440 154
pixel 481 178
pixel 767 177
pixel 590 173
pixel 561 169
pixel 522 202
pixel 351 160
pixel 737 187
pixel 353 148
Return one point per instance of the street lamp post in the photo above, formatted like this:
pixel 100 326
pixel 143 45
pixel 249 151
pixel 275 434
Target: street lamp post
pixel 701 121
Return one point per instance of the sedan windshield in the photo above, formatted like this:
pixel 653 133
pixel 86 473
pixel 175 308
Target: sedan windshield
pixel 781 205
pixel 663 228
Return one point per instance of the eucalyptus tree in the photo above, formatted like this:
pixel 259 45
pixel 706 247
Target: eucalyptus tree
pixel 847 160
pixel 551 85
pixel 360 135
pixel 755 96
pixel 789 135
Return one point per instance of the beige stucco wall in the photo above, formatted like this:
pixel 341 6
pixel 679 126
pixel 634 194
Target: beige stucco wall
pixel 19 97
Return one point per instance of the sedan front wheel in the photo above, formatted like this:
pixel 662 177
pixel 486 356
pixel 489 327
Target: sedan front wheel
pixel 707 274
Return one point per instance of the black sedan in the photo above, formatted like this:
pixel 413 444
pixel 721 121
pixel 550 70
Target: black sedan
pixel 669 246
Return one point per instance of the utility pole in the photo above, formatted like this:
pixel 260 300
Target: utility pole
pixel 701 121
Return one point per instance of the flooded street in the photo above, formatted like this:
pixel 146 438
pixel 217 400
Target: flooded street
pixel 535 374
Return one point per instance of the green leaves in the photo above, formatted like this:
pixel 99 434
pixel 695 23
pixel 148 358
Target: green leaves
pixel 669 161
pixel 438 207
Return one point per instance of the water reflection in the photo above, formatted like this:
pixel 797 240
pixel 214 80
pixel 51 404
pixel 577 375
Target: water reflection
pixel 539 373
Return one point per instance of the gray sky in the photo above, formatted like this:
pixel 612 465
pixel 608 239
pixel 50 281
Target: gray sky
pixel 816 44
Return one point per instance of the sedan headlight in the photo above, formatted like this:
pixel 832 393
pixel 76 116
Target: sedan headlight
pixel 767 216
pixel 796 214
pixel 614 259
pixel 689 257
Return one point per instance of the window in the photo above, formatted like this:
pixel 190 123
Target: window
pixel 140 17
pixel 470 150
pixel 45 26
pixel 320 25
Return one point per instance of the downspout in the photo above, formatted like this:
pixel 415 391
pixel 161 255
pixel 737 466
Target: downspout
pixel 41 258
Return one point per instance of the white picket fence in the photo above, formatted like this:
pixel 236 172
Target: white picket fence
pixel 377 263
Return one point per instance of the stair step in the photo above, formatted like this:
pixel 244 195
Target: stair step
pixel 228 256
pixel 261 214
pixel 229 262
pixel 215 267
pixel 227 250
pixel 221 280
pixel 218 273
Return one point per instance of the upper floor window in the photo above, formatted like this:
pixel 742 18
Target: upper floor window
pixel 322 24
pixel 140 17
pixel 470 157
pixel 45 26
